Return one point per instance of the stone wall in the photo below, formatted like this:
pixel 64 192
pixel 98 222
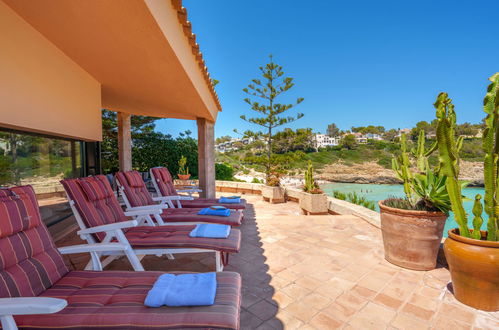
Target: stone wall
pixel 335 206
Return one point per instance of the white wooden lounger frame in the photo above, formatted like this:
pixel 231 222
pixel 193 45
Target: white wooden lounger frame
pixel 179 197
pixel 148 212
pixel 141 217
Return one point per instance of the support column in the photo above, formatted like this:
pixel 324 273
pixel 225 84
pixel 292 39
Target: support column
pixel 206 157
pixel 125 141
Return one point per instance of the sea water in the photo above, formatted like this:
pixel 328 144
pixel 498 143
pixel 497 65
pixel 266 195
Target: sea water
pixel 377 192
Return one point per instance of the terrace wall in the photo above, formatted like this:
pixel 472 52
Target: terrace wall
pixel 335 206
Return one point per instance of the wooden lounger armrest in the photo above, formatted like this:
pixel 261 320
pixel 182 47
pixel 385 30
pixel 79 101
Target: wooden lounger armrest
pixel 190 191
pixel 98 247
pixel 95 251
pixel 133 212
pixel 27 306
pixel 109 227
pixel 153 207
pixel 173 198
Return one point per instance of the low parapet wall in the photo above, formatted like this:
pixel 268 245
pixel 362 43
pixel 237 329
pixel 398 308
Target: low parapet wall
pixel 335 206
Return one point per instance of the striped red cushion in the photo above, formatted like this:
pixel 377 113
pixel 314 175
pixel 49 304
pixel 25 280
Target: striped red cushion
pixel 29 261
pixel 191 215
pixel 95 187
pixel 134 188
pixel 178 237
pixel 164 181
pixel 95 212
pixel 115 300
pixel 207 202
pixel 17 211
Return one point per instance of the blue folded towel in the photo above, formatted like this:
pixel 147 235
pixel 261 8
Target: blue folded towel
pixel 227 200
pixel 210 230
pixel 209 211
pixel 183 290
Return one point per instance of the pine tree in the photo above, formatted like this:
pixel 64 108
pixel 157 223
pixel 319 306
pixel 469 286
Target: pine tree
pixel 269 88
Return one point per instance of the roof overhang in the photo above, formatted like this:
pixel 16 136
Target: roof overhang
pixel 142 52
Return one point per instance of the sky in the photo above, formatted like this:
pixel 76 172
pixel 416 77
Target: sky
pixel 356 63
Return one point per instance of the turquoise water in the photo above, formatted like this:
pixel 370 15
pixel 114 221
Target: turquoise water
pixel 377 192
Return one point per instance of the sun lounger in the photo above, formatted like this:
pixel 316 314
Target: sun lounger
pixel 136 196
pixel 163 184
pixel 101 219
pixel 37 291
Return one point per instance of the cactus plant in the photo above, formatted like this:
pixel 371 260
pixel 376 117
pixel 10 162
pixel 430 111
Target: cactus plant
pixel 491 149
pixel 449 147
pixel 421 154
pixel 311 185
pixel 402 169
pixel 182 169
pixel 425 189
pixel 477 219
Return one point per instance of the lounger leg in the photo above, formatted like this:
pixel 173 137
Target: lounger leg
pixel 218 261
pixel 170 256
pixel 134 260
pixel 8 322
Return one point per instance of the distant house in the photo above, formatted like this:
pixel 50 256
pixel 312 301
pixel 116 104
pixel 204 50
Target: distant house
pixel 359 137
pixel 323 140
pixel 234 144
pixel 405 131
pixel 373 136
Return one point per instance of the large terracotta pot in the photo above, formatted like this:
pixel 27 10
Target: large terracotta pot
pixel 411 238
pixel 474 270
pixel 184 177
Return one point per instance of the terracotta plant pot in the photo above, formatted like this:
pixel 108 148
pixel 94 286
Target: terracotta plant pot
pixel 411 238
pixel 474 270
pixel 312 204
pixel 273 195
pixel 184 177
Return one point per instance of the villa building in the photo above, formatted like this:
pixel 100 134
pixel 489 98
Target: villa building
pixel 324 140
pixel 62 62
pixel 234 144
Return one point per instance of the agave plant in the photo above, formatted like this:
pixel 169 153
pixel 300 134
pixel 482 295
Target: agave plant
pixel 425 189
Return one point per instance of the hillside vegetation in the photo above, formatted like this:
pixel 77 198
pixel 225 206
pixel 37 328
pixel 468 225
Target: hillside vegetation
pixel 379 152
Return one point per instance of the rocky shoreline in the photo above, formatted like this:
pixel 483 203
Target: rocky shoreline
pixel 373 173
pixel 368 173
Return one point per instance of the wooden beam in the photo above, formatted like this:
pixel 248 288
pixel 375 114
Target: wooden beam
pixel 125 141
pixel 206 157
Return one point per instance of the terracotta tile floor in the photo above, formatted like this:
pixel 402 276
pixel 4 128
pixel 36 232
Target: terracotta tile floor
pixel 325 272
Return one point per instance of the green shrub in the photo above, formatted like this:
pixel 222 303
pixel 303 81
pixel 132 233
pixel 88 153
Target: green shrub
pixel 354 198
pixel 256 180
pixel 224 172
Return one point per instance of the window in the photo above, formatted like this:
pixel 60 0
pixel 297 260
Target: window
pixel 41 162
pixel 37 160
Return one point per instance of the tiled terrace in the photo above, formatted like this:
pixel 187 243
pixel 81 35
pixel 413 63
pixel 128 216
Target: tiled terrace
pixel 326 272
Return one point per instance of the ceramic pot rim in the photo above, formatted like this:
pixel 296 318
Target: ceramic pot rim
pixel 452 233
pixel 422 214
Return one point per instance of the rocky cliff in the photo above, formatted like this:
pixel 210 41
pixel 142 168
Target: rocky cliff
pixel 371 172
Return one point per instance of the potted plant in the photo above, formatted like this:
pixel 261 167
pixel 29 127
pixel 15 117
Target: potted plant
pixel 412 227
pixel 472 254
pixel 183 170
pixel 312 200
pixel 272 191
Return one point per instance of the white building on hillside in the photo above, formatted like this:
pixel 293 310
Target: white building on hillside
pixel 373 136
pixel 405 131
pixel 323 140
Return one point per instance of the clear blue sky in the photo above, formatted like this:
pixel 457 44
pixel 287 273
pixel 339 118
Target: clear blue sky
pixel 355 62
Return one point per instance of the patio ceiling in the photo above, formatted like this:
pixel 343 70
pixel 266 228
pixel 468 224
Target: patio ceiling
pixel 143 53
